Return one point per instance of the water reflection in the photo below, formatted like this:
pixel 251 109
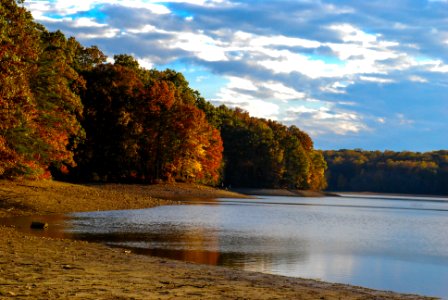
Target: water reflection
pixel 200 245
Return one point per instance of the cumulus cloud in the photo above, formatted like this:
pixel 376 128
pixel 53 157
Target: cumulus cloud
pixel 241 84
pixel 325 119
pixel 257 107
pixel 282 92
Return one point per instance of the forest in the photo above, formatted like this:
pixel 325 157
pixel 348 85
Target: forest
pixel 67 113
pixel 388 171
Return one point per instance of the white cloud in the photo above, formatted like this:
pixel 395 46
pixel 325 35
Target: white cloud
pixel 333 9
pixel 155 8
pixel 431 65
pixel 145 63
pixel 256 107
pixel 337 87
pixel 376 79
pixel 87 22
pixel 347 103
pixel 282 92
pixel 359 53
pixel 400 26
pixel 277 40
pixel 206 3
pixel 240 83
pixel 326 119
pixel 39 8
pixel 106 33
pixel 144 29
pixel 349 33
pixel 201 46
pixel 285 62
pixel 416 78
pixel 439 67
pixel 69 7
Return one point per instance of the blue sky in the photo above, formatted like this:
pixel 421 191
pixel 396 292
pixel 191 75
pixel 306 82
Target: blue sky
pixel 353 74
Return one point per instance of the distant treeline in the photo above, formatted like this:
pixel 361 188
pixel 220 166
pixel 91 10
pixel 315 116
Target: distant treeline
pixel 388 172
pixel 67 113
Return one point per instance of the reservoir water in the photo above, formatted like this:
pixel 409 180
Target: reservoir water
pixel 381 242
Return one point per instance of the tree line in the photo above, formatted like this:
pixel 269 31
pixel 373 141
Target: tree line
pixel 68 114
pixel 388 171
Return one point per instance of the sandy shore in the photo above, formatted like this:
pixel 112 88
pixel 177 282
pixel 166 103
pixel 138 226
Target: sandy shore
pixel 40 268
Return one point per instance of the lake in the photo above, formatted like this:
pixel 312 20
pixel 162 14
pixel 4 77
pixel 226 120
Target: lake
pixel 380 242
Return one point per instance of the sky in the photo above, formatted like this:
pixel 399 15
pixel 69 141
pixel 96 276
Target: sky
pixel 353 74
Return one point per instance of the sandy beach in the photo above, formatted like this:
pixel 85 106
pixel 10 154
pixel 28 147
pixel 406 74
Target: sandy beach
pixel 34 267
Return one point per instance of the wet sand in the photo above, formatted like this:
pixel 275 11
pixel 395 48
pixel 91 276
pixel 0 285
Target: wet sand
pixel 41 268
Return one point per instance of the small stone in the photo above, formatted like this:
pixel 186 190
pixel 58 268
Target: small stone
pixel 39 225
pixel 67 267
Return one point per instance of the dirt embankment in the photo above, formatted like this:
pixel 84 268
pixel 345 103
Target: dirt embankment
pixel 41 268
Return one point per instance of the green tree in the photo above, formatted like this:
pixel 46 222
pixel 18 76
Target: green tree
pixel 55 86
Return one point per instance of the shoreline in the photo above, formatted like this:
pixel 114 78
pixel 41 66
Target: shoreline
pixel 375 194
pixel 284 192
pixel 50 268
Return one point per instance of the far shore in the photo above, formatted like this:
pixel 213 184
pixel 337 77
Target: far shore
pixel 377 194
pixel 283 192
pixel 34 267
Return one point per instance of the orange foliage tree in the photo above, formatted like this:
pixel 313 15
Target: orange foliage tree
pixel 143 125
pixel 37 96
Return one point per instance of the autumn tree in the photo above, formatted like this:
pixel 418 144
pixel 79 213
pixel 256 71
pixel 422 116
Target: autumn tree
pixel 177 141
pixel 110 148
pixel 19 50
pixel 38 97
pixel 55 86
pixel 141 127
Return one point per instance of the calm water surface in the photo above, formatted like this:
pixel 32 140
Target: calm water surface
pixel 387 243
